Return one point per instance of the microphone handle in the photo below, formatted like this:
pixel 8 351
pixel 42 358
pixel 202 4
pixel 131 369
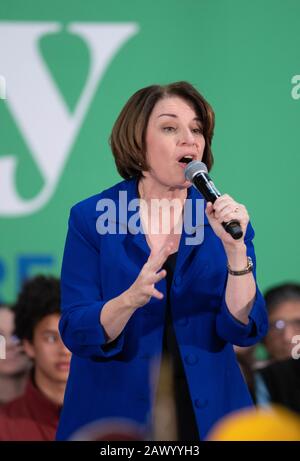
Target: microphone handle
pixel 204 184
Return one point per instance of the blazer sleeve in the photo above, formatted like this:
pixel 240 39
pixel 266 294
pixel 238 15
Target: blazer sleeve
pixel 81 297
pixel 231 329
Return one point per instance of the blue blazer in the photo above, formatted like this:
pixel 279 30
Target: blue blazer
pixel 115 380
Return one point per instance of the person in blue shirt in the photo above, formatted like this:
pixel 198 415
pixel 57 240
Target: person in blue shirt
pixel 141 276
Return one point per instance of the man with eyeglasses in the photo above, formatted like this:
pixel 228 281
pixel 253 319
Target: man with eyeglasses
pixel 279 382
pixel 283 304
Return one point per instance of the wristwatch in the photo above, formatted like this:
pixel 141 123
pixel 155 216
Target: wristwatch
pixel 248 268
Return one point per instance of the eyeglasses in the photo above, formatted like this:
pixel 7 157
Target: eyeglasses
pixel 12 338
pixel 279 325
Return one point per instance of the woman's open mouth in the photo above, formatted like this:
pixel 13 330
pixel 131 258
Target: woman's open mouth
pixel 185 159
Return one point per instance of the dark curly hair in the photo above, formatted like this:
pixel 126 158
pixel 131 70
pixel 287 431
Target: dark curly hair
pixel 39 297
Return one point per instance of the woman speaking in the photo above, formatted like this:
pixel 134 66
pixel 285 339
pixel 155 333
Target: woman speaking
pixel 136 285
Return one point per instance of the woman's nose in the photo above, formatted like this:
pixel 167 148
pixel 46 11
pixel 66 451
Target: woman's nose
pixel 187 137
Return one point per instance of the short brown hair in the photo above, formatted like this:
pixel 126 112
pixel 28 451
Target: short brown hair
pixel 128 137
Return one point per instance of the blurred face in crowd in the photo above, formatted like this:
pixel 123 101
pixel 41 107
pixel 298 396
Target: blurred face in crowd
pixel 51 357
pixel 284 324
pixel 173 131
pixel 16 361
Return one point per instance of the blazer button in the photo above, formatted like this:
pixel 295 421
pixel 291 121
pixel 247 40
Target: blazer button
pixel 191 359
pixel 178 280
pixel 200 403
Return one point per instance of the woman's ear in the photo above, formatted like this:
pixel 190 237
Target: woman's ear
pixel 29 348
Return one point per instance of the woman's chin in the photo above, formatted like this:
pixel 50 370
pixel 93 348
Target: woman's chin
pixel 186 184
pixel 183 185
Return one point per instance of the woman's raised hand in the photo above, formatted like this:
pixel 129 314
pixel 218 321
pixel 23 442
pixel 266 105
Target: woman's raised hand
pixel 143 288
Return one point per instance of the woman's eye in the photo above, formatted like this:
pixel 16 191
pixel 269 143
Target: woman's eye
pixel 197 130
pixel 169 128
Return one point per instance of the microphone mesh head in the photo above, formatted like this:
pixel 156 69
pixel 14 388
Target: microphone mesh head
pixel 193 168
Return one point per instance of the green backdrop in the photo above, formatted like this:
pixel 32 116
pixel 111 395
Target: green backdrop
pixel 243 56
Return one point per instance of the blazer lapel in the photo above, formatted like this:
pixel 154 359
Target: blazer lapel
pixel 128 221
pixel 131 219
pixel 193 230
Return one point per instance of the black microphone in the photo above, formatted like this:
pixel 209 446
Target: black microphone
pixel 196 172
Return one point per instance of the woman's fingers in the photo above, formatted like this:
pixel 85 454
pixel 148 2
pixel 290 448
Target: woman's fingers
pixel 226 209
pixel 150 276
pixel 157 294
pixel 237 212
pixel 225 205
pixel 223 199
pixel 228 212
pixel 158 276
